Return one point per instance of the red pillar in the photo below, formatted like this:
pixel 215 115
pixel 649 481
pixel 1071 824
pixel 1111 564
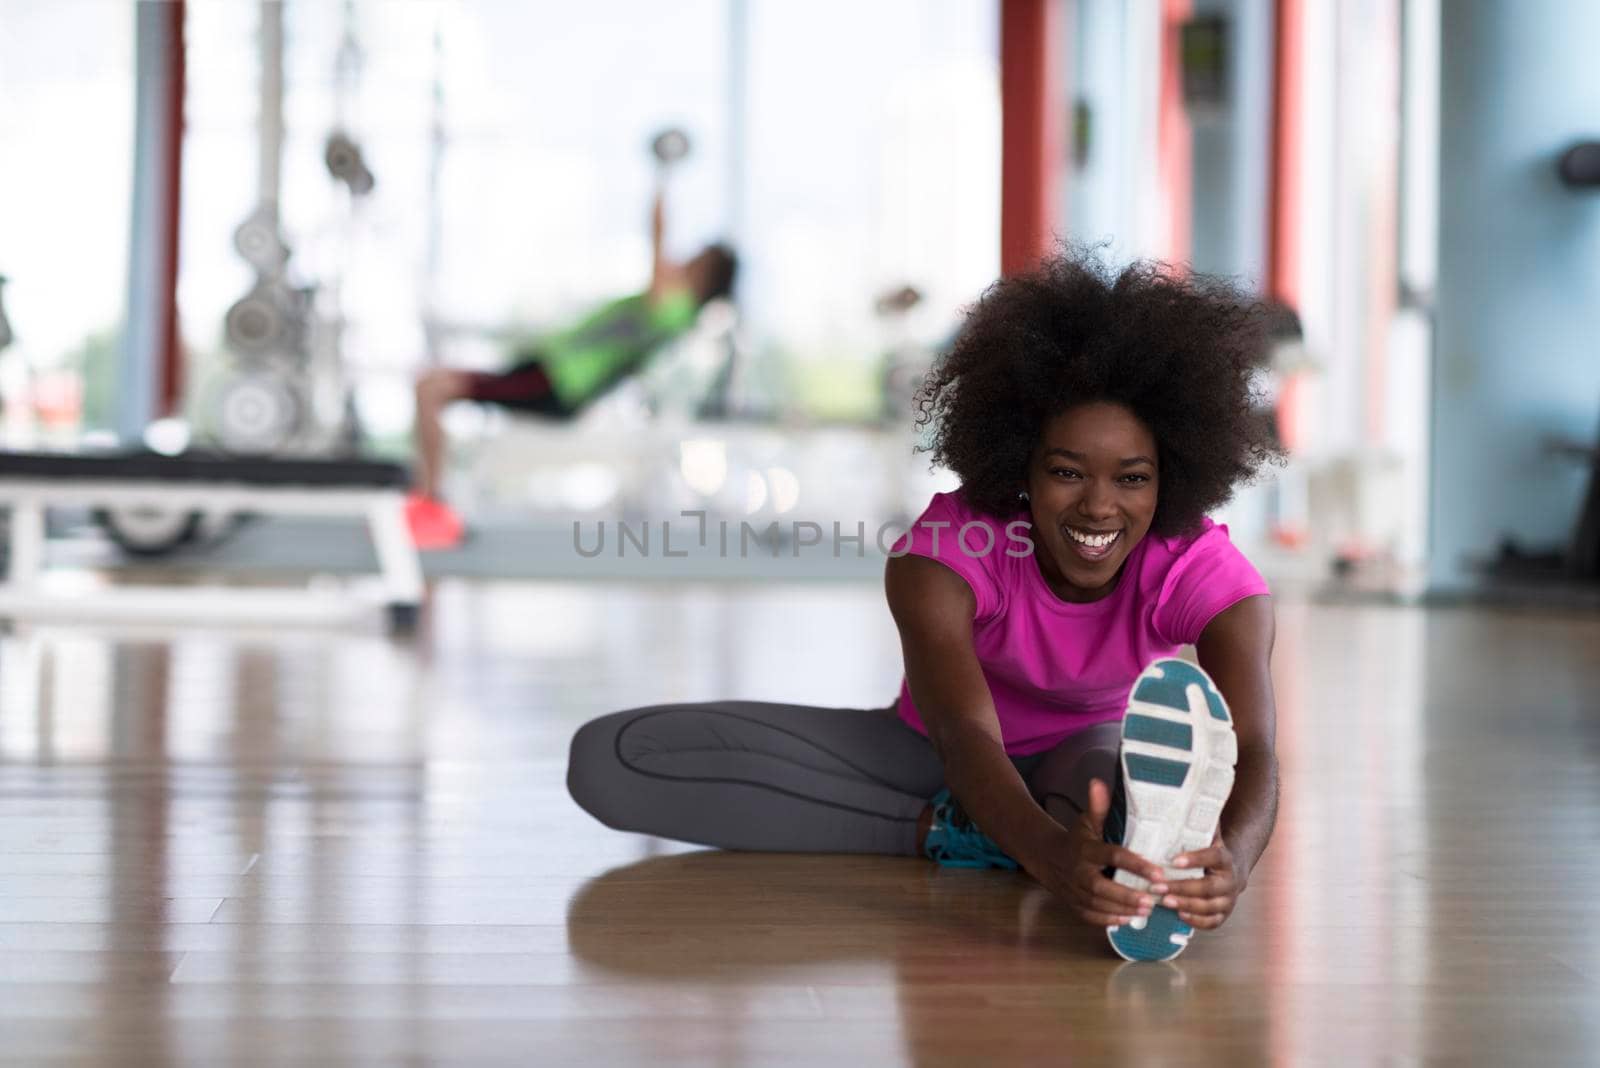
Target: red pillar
pixel 1283 223
pixel 1032 129
pixel 1283 251
pixel 1174 136
pixel 169 383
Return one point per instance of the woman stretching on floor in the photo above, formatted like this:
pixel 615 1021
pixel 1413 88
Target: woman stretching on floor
pixel 1093 417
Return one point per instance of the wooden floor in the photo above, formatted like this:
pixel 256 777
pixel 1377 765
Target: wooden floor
pixel 228 848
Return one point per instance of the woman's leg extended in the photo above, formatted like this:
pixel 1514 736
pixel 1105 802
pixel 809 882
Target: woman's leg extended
pixel 757 775
pixel 1060 781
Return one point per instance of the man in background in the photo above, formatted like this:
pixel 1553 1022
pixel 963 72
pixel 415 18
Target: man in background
pixel 564 371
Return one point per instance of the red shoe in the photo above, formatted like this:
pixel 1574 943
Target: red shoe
pixel 433 524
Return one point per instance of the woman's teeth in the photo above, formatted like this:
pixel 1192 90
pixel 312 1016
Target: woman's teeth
pixel 1093 541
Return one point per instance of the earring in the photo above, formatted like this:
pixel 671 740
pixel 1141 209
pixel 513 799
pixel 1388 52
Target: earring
pixel 1022 496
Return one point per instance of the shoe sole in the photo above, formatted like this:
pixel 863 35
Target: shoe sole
pixel 1177 773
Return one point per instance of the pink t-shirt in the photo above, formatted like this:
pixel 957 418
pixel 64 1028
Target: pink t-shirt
pixel 1055 667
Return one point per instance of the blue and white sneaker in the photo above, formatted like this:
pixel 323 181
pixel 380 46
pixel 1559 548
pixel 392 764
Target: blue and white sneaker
pixel 1178 753
pixel 954 841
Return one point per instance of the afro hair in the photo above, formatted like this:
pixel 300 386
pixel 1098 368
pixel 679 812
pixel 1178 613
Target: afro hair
pixel 1179 351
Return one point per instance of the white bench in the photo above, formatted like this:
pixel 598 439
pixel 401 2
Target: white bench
pixel 32 483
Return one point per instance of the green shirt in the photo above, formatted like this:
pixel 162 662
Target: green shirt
pixel 612 342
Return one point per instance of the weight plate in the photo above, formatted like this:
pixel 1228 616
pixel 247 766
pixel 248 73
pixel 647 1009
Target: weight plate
pixel 258 241
pixel 669 146
pixel 145 530
pixel 254 323
pixel 257 413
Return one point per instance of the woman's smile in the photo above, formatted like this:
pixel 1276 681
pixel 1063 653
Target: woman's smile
pixel 1092 489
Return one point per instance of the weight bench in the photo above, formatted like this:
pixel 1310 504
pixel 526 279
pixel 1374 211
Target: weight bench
pixel 31 483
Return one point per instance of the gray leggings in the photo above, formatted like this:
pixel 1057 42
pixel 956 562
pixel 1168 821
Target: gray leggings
pixel 793 778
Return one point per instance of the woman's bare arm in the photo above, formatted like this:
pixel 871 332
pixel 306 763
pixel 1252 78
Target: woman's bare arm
pixel 933 608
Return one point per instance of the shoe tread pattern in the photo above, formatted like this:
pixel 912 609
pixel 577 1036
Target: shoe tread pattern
pixel 1169 810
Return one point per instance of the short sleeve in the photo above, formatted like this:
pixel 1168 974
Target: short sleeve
pixel 1208 576
pixel 964 541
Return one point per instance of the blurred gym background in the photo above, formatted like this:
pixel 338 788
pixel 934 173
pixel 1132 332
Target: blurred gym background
pixel 234 234
pixel 247 228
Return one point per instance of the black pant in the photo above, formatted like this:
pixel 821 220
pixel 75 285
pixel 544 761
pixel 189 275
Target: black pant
pixel 792 778
pixel 524 388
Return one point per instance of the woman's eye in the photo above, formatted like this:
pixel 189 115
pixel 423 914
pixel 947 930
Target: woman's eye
pixel 1134 480
pixel 1064 472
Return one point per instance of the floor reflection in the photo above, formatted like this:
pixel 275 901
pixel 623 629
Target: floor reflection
pixel 976 966
pixel 362 850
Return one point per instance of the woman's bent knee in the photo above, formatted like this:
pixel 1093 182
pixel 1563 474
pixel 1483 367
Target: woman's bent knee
pixel 595 771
